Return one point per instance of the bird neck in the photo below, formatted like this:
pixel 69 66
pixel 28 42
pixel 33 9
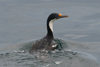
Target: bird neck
pixel 50 28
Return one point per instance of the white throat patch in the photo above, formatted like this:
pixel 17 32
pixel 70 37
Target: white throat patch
pixel 51 24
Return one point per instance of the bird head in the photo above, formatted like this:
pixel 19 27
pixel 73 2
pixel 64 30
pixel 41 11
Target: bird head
pixel 56 16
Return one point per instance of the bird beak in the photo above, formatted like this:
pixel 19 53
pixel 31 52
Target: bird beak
pixel 64 16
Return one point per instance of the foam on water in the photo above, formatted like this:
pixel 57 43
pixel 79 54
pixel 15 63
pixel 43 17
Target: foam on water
pixel 66 57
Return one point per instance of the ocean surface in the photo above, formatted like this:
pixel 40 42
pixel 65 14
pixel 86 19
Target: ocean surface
pixel 24 21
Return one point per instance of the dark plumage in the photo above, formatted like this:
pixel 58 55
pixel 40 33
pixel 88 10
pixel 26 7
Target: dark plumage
pixel 48 42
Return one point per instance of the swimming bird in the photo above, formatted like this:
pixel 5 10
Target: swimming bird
pixel 48 42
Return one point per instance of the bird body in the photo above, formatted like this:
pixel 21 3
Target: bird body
pixel 48 42
pixel 44 44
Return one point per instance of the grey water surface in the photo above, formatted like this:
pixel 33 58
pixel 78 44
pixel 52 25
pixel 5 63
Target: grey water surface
pixel 24 21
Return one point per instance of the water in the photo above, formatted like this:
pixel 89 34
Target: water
pixel 23 21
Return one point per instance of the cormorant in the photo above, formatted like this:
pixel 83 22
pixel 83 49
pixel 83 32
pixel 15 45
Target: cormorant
pixel 48 42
